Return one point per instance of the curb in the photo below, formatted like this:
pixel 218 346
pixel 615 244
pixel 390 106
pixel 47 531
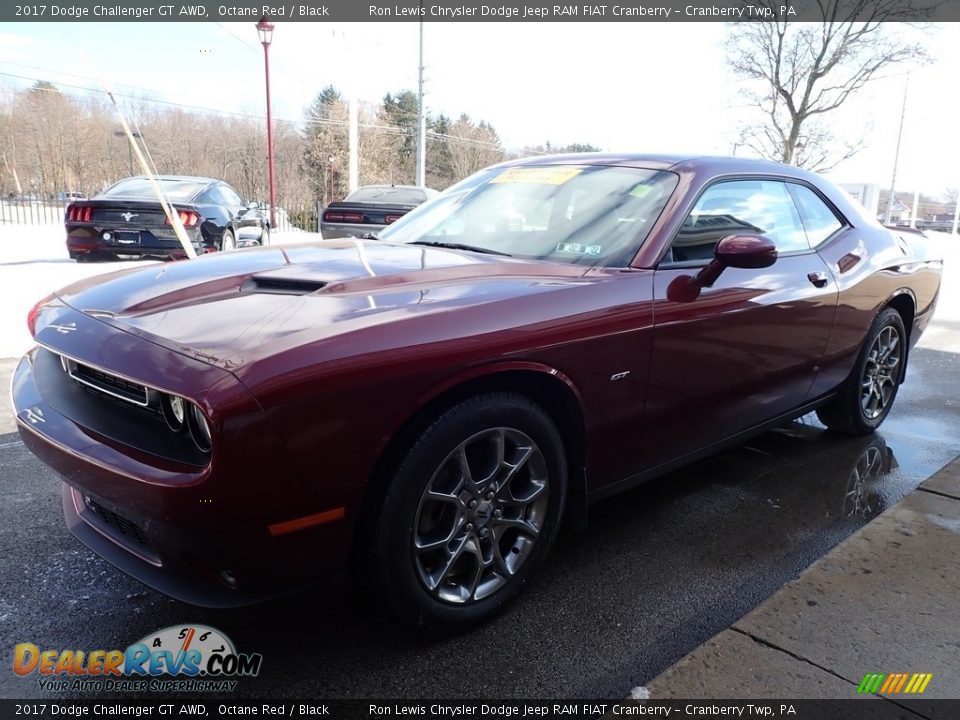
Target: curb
pixel 886 600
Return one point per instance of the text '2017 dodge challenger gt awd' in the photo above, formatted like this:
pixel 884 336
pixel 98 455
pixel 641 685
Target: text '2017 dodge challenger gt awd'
pixel 431 405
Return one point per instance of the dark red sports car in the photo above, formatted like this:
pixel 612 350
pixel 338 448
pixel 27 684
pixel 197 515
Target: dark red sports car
pixel 429 407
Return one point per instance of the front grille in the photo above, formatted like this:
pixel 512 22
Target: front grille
pixel 127 528
pixel 123 413
pixel 111 385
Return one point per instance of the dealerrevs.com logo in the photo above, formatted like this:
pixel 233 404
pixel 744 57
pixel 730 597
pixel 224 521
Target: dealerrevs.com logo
pixel 188 657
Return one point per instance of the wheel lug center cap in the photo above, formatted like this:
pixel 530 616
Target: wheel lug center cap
pixel 482 513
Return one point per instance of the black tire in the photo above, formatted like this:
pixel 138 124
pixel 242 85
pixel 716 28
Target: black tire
pixel 394 570
pixel 227 241
pixel 265 236
pixel 846 411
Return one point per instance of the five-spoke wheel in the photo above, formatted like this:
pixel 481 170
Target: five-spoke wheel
pixel 480 515
pixel 881 372
pixel 471 509
pixel 863 401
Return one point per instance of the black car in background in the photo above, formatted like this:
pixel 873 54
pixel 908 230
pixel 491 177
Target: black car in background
pixel 127 222
pixel 369 209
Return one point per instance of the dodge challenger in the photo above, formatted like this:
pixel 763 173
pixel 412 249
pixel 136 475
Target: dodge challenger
pixel 429 407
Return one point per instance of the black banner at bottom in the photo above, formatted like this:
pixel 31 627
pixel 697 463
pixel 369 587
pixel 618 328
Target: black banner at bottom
pixel 868 708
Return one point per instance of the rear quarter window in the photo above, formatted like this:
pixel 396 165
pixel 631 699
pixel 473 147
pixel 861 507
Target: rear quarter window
pixel 819 220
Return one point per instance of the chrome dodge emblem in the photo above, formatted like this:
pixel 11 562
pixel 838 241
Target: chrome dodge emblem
pixel 128 216
pixel 65 328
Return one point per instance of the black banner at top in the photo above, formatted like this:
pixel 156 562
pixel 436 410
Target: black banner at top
pixel 474 11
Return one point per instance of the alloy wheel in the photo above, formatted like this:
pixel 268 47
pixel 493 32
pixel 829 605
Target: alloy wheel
pixel 480 515
pixel 881 373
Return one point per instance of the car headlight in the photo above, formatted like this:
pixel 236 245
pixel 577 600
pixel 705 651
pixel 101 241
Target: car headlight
pixel 174 411
pixel 199 428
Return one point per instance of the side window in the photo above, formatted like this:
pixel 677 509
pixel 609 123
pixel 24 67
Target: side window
pixel 763 207
pixel 208 197
pixel 230 195
pixel 818 219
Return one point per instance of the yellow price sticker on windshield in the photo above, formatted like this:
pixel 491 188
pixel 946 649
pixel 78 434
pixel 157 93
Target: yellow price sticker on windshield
pixel 537 175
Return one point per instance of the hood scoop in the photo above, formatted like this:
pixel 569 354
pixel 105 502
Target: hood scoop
pixel 275 285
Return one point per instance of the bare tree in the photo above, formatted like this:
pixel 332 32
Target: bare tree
pixel 803 71
pixel 472 146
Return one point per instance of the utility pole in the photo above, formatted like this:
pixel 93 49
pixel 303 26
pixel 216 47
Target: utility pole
pixel 896 158
pixel 353 138
pixel 421 122
pixel 265 29
pixel 138 136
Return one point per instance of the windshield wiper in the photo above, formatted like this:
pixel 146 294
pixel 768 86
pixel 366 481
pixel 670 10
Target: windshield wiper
pixel 460 246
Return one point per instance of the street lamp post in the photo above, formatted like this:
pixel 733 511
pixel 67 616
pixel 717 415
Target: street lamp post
pixel 265 29
pixel 138 136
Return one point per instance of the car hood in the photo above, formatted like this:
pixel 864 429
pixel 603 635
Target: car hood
pixel 232 309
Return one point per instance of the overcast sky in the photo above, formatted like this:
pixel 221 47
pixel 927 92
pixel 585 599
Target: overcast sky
pixel 657 87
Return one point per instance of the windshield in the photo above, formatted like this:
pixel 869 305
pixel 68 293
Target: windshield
pixel 589 215
pixel 137 187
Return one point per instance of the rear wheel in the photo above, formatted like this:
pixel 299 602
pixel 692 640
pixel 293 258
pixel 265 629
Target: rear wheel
pixel 227 242
pixel 865 399
pixel 470 513
pixel 265 236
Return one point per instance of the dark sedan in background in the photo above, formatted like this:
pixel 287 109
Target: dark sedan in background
pixel 127 222
pixel 370 209
pixel 430 406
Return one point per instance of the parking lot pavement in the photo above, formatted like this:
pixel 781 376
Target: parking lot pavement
pixel 886 601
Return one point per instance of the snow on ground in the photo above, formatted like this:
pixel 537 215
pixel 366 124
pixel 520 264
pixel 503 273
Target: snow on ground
pixel 34 263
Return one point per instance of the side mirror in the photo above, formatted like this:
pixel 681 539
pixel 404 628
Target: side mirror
pixel 738 251
pixel 749 252
pixel 745 251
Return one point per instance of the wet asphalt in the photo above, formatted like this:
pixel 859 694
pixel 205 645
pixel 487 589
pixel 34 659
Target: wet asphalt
pixel 658 571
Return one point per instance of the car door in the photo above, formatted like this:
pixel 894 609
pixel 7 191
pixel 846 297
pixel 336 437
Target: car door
pixel 746 349
pixel 247 219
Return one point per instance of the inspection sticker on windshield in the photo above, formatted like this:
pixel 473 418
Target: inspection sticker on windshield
pixel 537 175
pixel 579 249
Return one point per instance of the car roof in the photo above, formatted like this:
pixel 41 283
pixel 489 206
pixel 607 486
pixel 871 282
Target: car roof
pixel 655 161
pixel 393 187
pixel 178 178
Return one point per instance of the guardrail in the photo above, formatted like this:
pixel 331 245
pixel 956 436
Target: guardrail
pixel 939 225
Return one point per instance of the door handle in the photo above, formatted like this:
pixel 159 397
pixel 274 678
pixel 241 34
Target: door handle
pixel 819 279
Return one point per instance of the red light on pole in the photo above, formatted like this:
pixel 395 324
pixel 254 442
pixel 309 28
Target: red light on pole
pixel 265 30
